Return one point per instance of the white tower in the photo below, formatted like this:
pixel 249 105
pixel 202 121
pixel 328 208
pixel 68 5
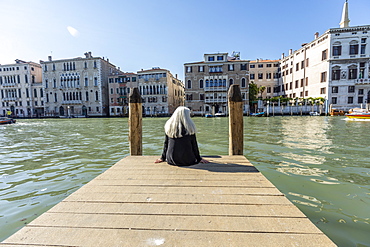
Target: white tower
pixel 345 20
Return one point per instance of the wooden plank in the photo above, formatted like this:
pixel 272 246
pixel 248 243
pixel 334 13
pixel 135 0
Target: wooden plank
pixel 58 236
pixel 177 223
pixel 179 198
pixel 178 190
pixel 185 182
pixel 178 209
pixel 227 203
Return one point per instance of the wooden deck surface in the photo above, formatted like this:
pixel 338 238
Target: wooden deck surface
pixel 139 203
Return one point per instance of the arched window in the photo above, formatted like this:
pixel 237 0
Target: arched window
pixel 231 82
pixel 220 83
pixel 96 95
pixel 243 82
pixel 211 83
pixel 189 84
pixel 201 84
pixel 207 83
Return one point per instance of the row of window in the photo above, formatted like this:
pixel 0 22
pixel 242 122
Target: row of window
pixel 12 79
pixel 71 82
pixel 154 99
pixel 71 66
pixel 215 69
pixel 16 104
pixel 268 76
pixel 215 83
pixel 156 76
pixel 153 89
pixel 350 100
pixel 14 93
pixel 14 68
pixel 121 79
pixel 69 96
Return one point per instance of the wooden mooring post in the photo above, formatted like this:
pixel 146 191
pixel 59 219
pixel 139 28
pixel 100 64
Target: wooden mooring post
pixel 135 123
pixel 235 121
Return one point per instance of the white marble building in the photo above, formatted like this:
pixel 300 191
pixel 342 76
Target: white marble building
pixel 334 66
pixel 77 87
pixel 21 92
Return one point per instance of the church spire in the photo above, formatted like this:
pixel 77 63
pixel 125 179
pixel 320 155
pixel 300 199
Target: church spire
pixel 345 20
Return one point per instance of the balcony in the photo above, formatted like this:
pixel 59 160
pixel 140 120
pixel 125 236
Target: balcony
pixel 215 101
pixel 362 81
pixel 10 99
pixel 215 89
pixel 7 84
pixel 72 102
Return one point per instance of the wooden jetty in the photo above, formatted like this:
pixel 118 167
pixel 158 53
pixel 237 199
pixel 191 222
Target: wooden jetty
pixel 136 202
pixel 139 203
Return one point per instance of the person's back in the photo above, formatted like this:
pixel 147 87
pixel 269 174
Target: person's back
pixel 180 146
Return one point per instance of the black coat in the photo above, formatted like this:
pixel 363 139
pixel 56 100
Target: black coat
pixel 181 151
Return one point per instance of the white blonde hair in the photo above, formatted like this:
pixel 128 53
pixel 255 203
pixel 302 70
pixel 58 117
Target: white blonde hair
pixel 178 122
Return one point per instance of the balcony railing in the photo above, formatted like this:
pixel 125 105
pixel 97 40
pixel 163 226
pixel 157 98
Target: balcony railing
pixel 7 84
pixel 215 100
pixel 71 102
pixel 362 81
pixel 212 89
pixel 10 99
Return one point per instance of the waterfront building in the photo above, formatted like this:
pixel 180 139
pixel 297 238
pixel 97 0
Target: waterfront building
pixel 119 89
pixel 161 92
pixel 334 66
pixel 266 73
pixel 77 86
pixel 21 92
pixel 207 82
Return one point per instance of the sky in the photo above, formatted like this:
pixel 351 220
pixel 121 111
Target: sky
pixel 141 34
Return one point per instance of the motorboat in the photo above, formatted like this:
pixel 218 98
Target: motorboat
pixel 208 115
pixel 314 113
pixel 5 120
pixel 220 114
pixel 257 114
pixel 336 112
pixel 358 113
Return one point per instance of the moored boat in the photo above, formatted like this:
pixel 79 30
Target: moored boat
pixel 5 120
pixel 358 113
pixel 257 114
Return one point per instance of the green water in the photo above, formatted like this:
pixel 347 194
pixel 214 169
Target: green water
pixel 322 164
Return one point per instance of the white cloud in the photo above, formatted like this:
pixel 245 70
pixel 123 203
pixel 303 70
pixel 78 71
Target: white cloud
pixel 73 31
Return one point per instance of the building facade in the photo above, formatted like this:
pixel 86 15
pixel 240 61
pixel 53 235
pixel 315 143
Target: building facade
pixel 21 92
pixel 334 66
pixel 77 86
pixel 266 73
pixel 161 92
pixel 207 82
pixel 119 90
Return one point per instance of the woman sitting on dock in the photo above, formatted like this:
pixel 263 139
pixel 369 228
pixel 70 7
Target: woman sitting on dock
pixel 180 146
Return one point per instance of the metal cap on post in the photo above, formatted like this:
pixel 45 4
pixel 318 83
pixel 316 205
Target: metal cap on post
pixel 135 122
pixel 235 120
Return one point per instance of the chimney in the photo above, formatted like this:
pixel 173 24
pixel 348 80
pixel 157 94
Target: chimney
pixel 176 76
pixel 50 58
pixel 90 56
pixel 282 55
pixel 316 35
pixel 290 52
pixel 86 55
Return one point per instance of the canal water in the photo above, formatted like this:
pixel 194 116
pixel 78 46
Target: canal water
pixel 322 164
